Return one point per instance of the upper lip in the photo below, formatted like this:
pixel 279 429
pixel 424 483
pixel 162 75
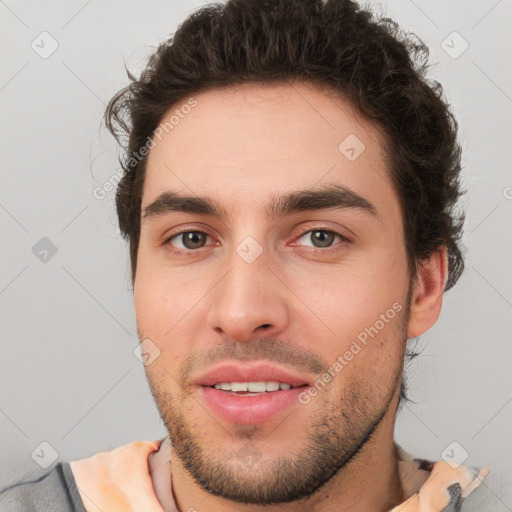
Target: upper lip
pixel 230 372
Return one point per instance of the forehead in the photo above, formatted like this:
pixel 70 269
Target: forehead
pixel 244 144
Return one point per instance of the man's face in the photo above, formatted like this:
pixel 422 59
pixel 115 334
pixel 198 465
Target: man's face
pixel 248 290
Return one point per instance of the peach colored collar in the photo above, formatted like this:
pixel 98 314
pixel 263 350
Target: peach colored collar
pixel 119 481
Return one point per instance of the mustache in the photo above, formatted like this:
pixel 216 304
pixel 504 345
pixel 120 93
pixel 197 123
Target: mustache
pixel 269 349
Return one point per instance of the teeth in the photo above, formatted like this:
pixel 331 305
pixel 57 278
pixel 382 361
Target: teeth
pixel 256 387
pixel 253 387
pixel 239 386
pixel 272 386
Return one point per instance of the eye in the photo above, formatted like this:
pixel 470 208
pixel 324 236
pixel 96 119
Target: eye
pixel 323 238
pixel 190 240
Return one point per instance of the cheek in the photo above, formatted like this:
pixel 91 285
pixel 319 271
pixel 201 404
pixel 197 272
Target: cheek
pixel 155 308
pixel 349 298
pixel 166 308
pixel 158 299
pixel 366 357
pixel 360 312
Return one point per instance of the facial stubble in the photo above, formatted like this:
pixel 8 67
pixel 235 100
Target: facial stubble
pixel 341 427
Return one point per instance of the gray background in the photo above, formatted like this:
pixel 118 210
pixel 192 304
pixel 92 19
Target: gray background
pixel 69 376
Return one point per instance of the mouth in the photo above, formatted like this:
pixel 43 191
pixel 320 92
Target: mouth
pixel 249 394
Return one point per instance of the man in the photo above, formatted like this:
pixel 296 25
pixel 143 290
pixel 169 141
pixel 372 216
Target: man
pixel 276 355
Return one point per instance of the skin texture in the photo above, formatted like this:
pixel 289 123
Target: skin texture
pixel 298 303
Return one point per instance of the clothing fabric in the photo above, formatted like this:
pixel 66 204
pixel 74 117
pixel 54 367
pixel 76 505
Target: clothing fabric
pixel 119 481
pixel 47 491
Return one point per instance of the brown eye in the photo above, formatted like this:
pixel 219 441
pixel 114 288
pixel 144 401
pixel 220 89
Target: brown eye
pixel 189 240
pixel 193 239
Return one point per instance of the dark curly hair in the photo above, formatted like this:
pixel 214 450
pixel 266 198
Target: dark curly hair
pixel 335 45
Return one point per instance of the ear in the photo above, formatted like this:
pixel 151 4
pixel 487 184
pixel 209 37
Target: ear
pixel 427 296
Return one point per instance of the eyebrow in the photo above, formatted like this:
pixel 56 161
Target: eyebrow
pixel 329 196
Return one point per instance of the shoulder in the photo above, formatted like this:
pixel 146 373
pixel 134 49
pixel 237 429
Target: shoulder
pixel 53 490
pixel 444 486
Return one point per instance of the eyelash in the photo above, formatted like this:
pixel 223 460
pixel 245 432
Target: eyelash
pixel 180 252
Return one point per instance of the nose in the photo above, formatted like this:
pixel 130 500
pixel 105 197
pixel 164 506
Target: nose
pixel 250 300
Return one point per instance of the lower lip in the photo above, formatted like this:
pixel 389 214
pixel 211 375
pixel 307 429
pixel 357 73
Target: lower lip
pixel 249 409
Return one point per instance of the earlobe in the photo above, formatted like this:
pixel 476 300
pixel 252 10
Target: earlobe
pixel 427 296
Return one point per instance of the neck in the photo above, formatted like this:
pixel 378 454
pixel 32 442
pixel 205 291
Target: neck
pixel 369 482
